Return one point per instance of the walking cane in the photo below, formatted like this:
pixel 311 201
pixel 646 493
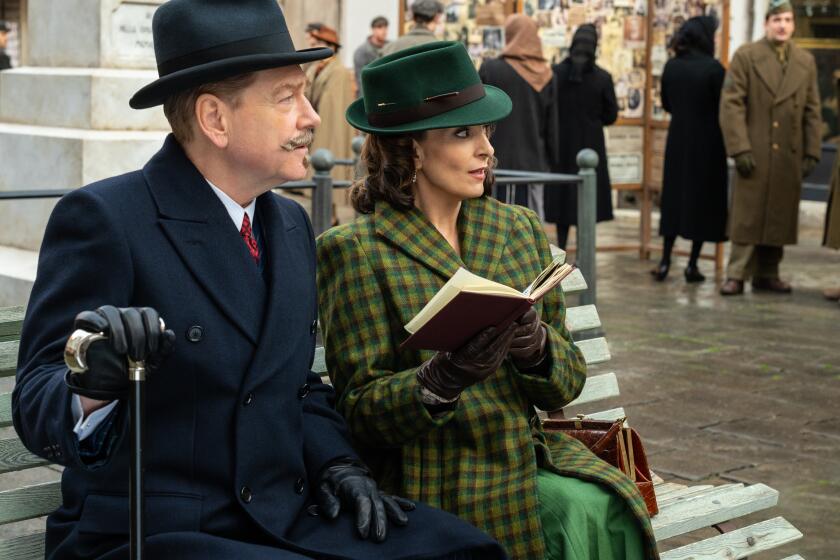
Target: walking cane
pixel 75 354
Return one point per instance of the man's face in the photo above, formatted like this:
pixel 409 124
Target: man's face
pixel 4 39
pixel 312 41
pixel 779 27
pixel 379 33
pixel 271 127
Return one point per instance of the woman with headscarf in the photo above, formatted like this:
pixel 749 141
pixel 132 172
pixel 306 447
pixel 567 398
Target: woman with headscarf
pixel 522 140
pixel 694 185
pixel 585 104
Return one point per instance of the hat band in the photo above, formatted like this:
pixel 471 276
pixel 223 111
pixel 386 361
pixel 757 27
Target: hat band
pixel 274 43
pixel 431 106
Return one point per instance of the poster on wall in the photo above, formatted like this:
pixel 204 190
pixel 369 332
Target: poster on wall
pixel 625 149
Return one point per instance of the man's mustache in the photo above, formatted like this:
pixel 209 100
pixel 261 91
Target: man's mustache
pixel 304 139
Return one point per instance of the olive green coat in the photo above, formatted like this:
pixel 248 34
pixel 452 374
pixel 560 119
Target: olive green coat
pixel 832 218
pixel 480 461
pixel 775 114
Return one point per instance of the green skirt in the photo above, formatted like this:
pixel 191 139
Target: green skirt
pixel 582 521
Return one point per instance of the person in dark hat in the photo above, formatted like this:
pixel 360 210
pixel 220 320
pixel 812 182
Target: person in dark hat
pixel 694 183
pixel 458 430
pixel 193 266
pixel 770 118
pixel 426 14
pixel 585 103
pixel 5 60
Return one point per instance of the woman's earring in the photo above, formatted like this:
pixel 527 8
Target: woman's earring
pixel 414 177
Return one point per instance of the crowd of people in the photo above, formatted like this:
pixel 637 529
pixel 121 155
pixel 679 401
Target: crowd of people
pixel 194 267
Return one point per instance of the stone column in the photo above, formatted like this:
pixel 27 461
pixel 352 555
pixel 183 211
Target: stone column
pixel 65 119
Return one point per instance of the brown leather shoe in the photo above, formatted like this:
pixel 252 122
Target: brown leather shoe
pixel 732 287
pixel 832 294
pixel 775 285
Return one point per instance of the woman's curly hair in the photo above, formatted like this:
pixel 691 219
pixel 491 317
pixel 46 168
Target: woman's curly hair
pixel 389 172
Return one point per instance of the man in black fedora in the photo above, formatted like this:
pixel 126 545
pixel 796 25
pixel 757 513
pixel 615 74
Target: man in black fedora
pixel 245 456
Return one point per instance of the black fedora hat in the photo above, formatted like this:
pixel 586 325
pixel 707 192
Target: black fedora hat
pixel 203 41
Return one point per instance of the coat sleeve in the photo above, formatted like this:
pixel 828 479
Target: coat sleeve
pixel 733 106
pixel 380 401
pixel 811 120
pixel 663 88
pixel 609 103
pixel 84 263
pixel 568 369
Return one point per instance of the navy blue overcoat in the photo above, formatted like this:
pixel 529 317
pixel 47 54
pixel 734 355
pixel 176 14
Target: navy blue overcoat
pixel 238 426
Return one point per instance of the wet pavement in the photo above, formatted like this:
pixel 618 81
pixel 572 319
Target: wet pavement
pixel 738 389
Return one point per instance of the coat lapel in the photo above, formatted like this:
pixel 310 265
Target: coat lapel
pixel 201 231
pixel 794 76
pixel 768 68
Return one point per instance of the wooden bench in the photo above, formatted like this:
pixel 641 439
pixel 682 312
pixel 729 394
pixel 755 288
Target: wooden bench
pixel 683 509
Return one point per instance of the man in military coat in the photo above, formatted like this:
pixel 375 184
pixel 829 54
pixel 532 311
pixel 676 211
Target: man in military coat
pixel 193 266
pixel 770 118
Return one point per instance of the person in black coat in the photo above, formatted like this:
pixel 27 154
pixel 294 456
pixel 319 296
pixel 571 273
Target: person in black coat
pixel 5 60
pixel 585 105
pixel 245 455
pixel 524 139
pixel 694 185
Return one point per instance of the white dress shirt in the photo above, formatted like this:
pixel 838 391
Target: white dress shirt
pixel 85 426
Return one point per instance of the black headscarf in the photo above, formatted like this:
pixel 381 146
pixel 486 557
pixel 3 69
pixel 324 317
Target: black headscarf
pixel 697 34
pixel 582 51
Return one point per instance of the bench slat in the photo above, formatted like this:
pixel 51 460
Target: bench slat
pixel 739 543
pixel 11 319
pixel 667 488
pixel 28 547
pixel 582 318
pixel 597 388
pixel 794 557
pixel 704 490
pixel 5 410
pixel 574 283
pixel 15 457
pixel 595 350
pixel 704 511
pixel 612 414
pixel 8 357
pixel 29 502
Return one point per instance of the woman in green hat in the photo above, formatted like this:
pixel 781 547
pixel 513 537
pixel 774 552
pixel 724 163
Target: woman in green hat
pixel 458 430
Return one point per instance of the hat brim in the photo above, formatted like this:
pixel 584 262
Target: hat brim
pixel 494 106
pixel 158 91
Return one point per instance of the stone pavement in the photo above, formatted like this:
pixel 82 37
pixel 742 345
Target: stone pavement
pixel 741 389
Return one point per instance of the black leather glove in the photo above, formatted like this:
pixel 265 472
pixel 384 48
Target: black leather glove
pixel 134 332
pixel 528 346
pixel 808 165
pixel 745 164
pixel 348 484
pixel 449 373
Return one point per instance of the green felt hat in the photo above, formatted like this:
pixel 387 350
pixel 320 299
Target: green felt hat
pixel 433 85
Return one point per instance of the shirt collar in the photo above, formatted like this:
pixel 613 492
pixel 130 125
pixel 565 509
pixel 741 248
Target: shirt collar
pixel 235 210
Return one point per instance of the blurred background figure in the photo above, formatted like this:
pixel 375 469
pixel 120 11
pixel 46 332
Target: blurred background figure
pixel 371 49
pixel 330 90
pixel 522 140
pixel 426 15
pixel 313 27
pixel 5 61
pixel 694 185
pixel 832 216
pixel 585 105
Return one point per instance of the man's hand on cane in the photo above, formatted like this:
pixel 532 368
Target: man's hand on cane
pixel 131 332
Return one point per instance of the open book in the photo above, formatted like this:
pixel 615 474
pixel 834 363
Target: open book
pixel 467 304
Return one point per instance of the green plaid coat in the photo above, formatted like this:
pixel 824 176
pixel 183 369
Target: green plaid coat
pixel 479 461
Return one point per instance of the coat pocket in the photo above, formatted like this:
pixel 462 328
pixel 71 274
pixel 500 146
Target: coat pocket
pixel 165 513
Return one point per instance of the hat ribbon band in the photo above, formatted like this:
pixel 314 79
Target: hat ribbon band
pixel 431 106
pixel 274 43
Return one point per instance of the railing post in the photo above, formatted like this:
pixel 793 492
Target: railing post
pixel 322 162
pixel 587 194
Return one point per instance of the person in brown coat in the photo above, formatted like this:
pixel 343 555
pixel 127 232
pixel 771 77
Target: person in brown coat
pixel 770 118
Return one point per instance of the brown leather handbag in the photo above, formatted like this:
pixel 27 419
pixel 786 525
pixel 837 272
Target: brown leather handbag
pixel 619 446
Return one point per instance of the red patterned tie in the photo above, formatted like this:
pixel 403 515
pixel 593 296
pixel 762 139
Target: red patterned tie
pixel 248 236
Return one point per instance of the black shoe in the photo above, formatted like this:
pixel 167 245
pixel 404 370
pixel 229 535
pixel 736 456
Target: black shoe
pixel 692 275
pixel 660 273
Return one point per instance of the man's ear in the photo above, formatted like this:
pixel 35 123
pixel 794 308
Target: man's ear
pixel 212 117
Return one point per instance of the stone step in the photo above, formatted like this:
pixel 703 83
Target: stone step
pixel 17 273
pixel 83 98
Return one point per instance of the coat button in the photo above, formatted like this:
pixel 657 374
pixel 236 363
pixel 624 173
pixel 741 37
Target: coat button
pixel 299 486
pixel 249 398
pixel 775 124
pixel 313 327
pixel 775 146
pixel 246 495
pixel 303 392
pixel 194 333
